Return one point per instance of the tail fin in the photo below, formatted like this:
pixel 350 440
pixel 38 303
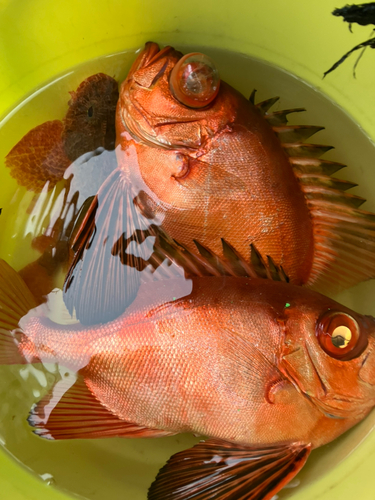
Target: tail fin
pixel 16 300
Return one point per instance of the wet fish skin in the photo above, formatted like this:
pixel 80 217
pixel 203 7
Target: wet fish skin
pixel 242 361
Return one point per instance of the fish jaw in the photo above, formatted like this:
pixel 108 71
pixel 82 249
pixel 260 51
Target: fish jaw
pixel 148 110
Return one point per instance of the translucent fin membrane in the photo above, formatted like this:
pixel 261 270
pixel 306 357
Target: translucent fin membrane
pixel 77 414
pixel 344 236
pixel 221 470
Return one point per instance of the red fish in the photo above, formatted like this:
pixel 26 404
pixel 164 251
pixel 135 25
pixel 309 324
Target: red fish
pixel 204 163
pixel 266 370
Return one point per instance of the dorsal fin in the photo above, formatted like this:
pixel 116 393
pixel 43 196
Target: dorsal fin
pixel 344 236
pixel 207 263
pixel 264 106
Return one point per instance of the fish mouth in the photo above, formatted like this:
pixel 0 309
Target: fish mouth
pixel 150 54
pixel 142 125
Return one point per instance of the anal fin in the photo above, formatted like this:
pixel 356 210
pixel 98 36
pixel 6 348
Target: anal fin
pixel 75 413
pixel 221 470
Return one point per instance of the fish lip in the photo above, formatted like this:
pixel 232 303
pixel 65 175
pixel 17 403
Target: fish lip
pixel 144 57
pixel 150 54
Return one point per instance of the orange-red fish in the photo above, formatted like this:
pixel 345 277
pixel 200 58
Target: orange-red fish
pixel 266 370
pixel 204 163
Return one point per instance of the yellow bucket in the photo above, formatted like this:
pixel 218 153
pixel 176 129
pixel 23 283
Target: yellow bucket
pixel 42 38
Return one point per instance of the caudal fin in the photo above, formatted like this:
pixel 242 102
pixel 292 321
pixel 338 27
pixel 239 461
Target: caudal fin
pixel 16 300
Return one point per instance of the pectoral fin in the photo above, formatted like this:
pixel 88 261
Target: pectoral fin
pixel 222 470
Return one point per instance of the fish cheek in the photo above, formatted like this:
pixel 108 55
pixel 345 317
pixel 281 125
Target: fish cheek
pixel 162 171
pixel 367 371
pixel 296 365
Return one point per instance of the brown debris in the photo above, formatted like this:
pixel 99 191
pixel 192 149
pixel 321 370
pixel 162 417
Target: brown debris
pixel 39 157
pixel 92 110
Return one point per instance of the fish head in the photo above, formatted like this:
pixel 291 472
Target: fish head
pixel 167 136
pixel 173 101
pixel 328 352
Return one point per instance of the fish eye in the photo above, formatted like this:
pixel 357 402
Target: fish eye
pixel 195 80
pixel 339 336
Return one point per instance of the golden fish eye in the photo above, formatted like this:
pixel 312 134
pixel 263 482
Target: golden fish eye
pixel 340 336
pixel 195 80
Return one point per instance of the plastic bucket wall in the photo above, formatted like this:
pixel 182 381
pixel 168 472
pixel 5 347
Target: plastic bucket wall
pixel 40 39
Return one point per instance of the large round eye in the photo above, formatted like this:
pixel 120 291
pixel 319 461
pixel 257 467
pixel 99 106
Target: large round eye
pixel 339 335
pixel 194 80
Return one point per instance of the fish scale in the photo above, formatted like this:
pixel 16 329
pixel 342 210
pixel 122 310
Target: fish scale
pixel 249 363
pixel 231 171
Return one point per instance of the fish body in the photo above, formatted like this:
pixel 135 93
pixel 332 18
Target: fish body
pixel 269 367
pixel 214 172
pixel 231 170
pixel 204 164
pixel 223 175
pixel 211 355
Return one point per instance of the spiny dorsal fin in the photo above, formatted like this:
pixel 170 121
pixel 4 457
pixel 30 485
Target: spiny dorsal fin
pixel 304 165
pixel 293 133
pixel 207 263
pixel 344 236
pixel 264 106
pixel 238 264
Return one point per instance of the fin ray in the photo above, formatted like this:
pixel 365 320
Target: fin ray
pixel 75 413
pixel 216 469
pixel 309 150
pixel 16 300
pixel 104 278
pixel 305 165
pixel 264 106
pixel 280 117
pixel 293 133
